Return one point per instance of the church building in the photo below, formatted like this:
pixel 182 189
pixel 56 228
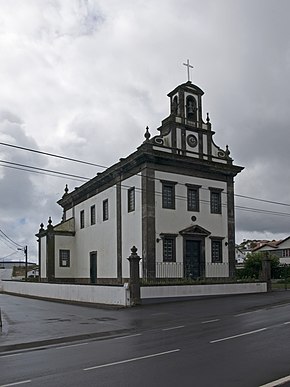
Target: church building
pixel 173 198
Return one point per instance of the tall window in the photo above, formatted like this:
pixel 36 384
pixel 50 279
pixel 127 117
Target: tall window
pixel 82 219
pixel 169 249
pixel 168 194
pixel 192 197
pixel 216 251
pixel 106 209
pixel 215 201
pixel 131 199
pixel 93 214
pixel 64 258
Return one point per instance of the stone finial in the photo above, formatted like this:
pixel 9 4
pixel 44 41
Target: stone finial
pixel 207 118
pixel 227 151
pixel 41 227
pixel 49 221
pixel 147 135
pixel 134 250
pixel 65 191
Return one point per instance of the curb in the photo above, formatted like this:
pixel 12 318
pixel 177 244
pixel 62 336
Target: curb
pixel 62 340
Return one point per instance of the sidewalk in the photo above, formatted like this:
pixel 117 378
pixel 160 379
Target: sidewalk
pixel 29 322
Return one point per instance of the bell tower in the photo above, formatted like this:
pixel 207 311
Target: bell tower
pixel 184 132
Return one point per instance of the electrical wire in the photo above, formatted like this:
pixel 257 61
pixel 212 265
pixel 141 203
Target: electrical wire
pixel 84 179
pixel 12 241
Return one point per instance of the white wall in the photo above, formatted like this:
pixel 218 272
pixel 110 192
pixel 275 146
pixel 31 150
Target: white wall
pixel 131 222
pixel 100 237
pixel 173 221
pixel 201 290
pixel 112 295
pixel 63 242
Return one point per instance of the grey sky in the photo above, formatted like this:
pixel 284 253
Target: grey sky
pixel 84 78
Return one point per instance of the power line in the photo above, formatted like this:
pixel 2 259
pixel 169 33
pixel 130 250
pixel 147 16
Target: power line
pixel 52 155
pixel 43 170
pixel 9 255
pixel 11 240
pixel 41 173
pixel 179 197
pixel 83 179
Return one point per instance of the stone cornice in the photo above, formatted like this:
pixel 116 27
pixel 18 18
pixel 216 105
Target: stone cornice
pixel 159 160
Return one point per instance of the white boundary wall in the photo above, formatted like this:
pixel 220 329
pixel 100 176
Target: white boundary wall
pixel 201 290
pixel 110 295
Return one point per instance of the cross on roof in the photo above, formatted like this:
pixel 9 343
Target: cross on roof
pixel 188 66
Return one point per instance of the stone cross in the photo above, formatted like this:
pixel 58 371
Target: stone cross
pixel 188 66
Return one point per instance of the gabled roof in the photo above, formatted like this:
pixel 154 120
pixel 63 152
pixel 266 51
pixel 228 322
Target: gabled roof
pixel 195 230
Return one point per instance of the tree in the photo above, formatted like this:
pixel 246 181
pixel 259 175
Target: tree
pixel 253 264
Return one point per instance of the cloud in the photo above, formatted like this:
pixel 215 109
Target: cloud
pixel 84 78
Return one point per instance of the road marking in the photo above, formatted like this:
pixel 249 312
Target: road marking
pixel 210 321
pixel 170 329
pixel 240 335
pixel 250 312
pixel 287 323
pixel 278 382
pixel 16 383
pixel 131 360
pixel 11 355
pixel 126 337
pixel 70 346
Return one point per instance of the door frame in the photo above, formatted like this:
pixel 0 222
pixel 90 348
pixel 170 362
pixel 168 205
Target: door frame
pixel 96 266
pixel 202 253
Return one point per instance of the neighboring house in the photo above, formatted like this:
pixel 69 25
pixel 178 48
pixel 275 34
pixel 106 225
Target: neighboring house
pixel 173 198
pixel 279 248
pixel 240 255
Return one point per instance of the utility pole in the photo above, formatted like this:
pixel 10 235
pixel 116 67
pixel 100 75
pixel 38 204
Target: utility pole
pixel 25 253
pixel 24 249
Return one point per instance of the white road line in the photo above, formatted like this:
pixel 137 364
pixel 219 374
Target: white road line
pixel 127 337
pixel 210 321
pixel 245 313
pixel 16 383
pixel 240 335
pixel 278 382
pixel 11 355
pixel 130 360
pixel 170 329
pixel 70 346
pixel 287 323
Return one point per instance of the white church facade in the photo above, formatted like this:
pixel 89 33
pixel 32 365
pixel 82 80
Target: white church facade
pixel 173 198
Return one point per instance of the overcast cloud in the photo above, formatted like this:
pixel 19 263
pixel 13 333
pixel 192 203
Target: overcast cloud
pixel 83 78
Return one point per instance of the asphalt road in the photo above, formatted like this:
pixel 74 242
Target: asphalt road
pixel 231 341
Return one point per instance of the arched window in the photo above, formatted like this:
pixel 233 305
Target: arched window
pixel 191 108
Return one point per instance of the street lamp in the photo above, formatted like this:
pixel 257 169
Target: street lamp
pixel 24 249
